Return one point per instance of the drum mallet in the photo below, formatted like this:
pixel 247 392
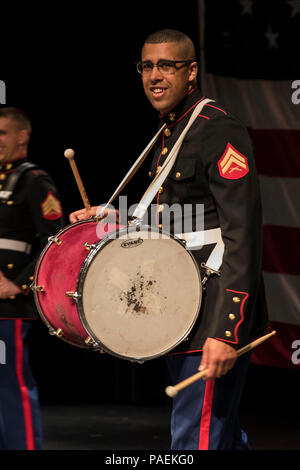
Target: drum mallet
pixel 172 391
pixel 69 154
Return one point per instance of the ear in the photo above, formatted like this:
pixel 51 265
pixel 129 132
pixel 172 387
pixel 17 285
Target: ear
pixel 23 137
pixel 193 71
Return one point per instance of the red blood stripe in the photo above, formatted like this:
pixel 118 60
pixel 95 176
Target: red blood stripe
pixel 276 152
pixel 206 415
pixel 282 349
pixel 280 249
pixel 23 389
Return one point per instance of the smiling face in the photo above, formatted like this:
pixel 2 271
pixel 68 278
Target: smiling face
pixel 13 141
pixel 166 91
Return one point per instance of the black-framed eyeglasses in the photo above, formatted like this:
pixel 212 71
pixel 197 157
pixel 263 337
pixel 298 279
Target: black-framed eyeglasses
pixel 166 67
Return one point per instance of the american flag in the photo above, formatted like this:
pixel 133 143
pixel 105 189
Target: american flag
pixel 250 62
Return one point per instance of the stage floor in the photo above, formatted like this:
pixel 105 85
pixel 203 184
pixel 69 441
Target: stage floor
pixel 135 427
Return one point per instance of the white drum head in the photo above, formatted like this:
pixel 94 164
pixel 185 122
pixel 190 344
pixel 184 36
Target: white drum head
pixel 140 296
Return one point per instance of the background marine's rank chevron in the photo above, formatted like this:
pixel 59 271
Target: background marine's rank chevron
pixel 51 207
pixel 232 165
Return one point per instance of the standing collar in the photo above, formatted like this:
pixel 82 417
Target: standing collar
pixel 7 167
pixel 191 99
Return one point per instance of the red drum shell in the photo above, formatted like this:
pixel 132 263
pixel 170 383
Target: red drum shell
pixel 57 270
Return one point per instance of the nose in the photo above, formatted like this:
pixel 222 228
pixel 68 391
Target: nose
pixel 156 74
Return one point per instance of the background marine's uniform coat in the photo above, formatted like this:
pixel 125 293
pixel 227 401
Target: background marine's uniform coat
pixel 31 215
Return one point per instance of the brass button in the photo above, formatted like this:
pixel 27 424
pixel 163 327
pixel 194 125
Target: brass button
pixel 2 177
pixel 160 208
pixel 178 174
pixel 167 132
pixel 164 151
pixel 236 299
pixel 161 190
pixel 10 203
pixel 10 266
pixel 228 333
pixel 24 286
pixel 160 225
pixel 172 116
pixel 231 316
pixel 30 278
pixel 158 169
pixel 8 166
pixel 150 173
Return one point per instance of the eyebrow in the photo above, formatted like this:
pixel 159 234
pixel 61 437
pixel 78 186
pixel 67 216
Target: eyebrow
pixel 168 60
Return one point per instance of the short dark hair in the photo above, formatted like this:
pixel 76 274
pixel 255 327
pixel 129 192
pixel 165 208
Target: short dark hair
pixel 172 35
pixel 19 116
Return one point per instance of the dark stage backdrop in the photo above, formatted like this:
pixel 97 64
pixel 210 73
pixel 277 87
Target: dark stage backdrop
pixel 73 72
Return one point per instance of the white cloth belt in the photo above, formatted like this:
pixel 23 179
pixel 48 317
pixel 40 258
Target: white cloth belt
pixel 206 237
pixel 5 194
pixel 15 245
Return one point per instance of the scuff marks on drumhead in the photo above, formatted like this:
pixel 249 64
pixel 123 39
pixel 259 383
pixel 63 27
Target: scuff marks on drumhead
pixel 135 295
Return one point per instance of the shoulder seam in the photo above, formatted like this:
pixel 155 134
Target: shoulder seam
pixel 215 107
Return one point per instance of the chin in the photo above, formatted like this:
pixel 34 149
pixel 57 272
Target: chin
pixel 160 108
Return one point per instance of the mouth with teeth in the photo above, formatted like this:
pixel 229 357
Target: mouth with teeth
pixel 158 92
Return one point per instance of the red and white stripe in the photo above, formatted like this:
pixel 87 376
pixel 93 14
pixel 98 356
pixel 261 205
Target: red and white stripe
pixel 273 120
pixel 26 405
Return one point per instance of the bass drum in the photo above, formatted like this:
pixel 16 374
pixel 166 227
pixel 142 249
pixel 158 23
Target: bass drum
pixel 56 276
pixel 139 293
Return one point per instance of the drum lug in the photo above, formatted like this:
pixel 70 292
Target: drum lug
pixel 55 240
pixel 88 246
pixel 59 332
pixel 208 272
pixel 36 288
pixel 73 295
pixel 136 222
pixel 90 342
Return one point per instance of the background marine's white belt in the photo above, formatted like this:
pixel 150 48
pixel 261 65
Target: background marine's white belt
pixel 15 245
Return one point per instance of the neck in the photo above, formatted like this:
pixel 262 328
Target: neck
pixel 21 153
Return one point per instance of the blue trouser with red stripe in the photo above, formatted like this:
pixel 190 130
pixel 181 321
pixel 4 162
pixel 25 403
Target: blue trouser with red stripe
pixel 20 418
pixel 205 414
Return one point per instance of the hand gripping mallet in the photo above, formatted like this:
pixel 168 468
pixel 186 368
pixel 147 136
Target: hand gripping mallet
pixel 69 154
pixel 172 391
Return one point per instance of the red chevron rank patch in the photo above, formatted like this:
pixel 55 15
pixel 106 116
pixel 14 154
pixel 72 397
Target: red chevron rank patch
pixel 51 207
pixel 232 165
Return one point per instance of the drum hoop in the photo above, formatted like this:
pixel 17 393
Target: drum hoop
pixel 37 268
pixel 84 270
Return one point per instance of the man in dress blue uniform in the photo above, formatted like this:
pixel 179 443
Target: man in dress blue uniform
pixel 30 210
pixel 215 167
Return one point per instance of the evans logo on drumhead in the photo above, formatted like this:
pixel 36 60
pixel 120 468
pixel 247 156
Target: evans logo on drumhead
pixel 132 243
